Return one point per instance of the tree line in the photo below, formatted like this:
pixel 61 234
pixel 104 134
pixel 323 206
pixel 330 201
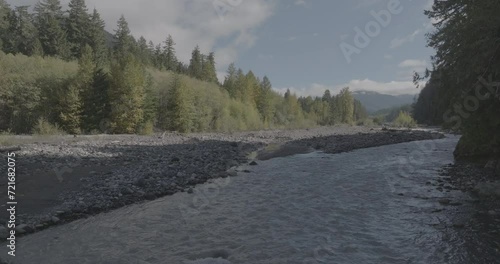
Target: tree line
pixel 61 68
pixel 462 92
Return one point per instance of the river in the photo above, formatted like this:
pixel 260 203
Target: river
pixel 371 205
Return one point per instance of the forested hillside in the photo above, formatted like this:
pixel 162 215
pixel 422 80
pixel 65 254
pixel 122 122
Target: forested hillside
pixel 463 91
pixel 60 72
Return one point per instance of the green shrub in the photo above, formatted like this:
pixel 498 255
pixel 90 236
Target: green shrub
pixel 367 122
pixel 379 120
pixel 146 129
pixel 44 127
pixel 404 119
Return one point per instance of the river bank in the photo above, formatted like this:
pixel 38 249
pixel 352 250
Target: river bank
pixel 64 179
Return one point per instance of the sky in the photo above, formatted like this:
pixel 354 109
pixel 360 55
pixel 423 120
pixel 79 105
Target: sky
pixel 306 46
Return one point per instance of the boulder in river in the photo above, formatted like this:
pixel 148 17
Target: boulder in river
pixel 491 165
pixel 23 229
pixel 488 189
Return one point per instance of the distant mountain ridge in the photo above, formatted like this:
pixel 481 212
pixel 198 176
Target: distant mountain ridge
pixel 374 101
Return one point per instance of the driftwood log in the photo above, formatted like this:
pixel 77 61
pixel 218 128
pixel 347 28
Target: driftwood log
pixel 9 149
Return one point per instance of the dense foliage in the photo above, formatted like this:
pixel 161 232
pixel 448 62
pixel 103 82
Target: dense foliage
pixel 59 71
pixel 463 91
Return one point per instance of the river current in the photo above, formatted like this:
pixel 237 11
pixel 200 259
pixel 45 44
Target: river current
pixel 374 205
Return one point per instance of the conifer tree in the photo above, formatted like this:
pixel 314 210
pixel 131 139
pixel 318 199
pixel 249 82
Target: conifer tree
pixel 124 43
pixel 230 81
pixel 179 106
pixel 4 21
pixel 169 54
pixel 97 38
pixel 77 26
pixel 22 33
pixel 208 67
pixel 97 106
pixel 346 106
pixel 251 89
pixel 143 51
pixel 265 103
pixel 126 94
pixel 158 57
pixel 195 64
pixel 70 109
pixel 53 38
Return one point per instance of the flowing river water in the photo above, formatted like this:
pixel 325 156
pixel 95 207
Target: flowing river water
pixel 371 205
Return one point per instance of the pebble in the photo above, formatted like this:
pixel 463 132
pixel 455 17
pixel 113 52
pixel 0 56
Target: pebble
pixel 444 201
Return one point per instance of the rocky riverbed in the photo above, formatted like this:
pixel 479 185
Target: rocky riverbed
pixel 481 180
pixel 60 179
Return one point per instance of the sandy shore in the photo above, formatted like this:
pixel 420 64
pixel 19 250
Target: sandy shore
pixel 61 179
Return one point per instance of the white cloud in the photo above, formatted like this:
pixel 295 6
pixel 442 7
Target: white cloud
pixel 400 41
pixel 410 67
pixel 413 64
pixel 392 88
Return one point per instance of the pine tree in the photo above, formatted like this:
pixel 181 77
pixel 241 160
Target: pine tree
pixel 124 44
pixel 85 77
pixel 346 106
pixel 158 57
pixel 77 26
pixel 126 94
pixel 143 51
pixel 327 96
pixel 97 106
pixel 179 107
pixel 208 67
pixel 4 21
pixel 37 49
pixel 265 103
pixel 195 64
pixel 22 33
pixel 86 67
pixel 169 54
pixel 252 88
pixel 97 38
pixel 70 109
pixel 240 86
pixel 230 81
pixel 49 16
